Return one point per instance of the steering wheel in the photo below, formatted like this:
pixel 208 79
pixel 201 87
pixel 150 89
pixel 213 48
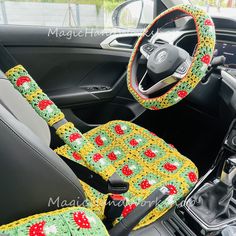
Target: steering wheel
pixel 170 67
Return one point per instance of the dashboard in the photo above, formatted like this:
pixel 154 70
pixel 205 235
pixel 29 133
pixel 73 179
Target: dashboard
pixel 225 45
pixel 225 39
pixel 228 50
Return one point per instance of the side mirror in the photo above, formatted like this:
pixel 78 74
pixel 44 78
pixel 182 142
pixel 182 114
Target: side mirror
pixel 133 14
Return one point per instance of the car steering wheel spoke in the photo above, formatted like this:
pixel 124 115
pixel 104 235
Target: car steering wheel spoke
pixel 156 87
pixel 182 70
pixel 148 48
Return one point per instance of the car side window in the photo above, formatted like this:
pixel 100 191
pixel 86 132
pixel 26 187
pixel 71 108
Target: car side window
pixel 77 13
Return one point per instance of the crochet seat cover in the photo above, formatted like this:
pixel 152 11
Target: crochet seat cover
pixel 68 221
pixel 135 154
pixel 142 159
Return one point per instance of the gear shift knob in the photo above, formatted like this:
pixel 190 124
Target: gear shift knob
pixel 228 175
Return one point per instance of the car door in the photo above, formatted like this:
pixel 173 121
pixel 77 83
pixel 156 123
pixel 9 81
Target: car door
pixel 75 54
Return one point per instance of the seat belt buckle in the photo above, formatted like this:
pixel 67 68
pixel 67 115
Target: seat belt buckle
pixel 116 185
pixel 114 207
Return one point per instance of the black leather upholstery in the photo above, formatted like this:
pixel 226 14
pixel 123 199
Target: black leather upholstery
pixel 213 203
pixel 31 173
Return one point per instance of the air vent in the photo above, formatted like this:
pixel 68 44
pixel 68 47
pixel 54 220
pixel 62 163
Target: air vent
pixel 175 228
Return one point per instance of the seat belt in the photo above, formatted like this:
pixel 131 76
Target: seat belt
pixel 48 110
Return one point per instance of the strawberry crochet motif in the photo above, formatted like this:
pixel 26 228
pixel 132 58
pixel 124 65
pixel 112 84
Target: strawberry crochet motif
pixel 170 167
pixel 100 140
pixel 97 157
pixel 119 129
pixel 112 156
pixel 76 156
pixel 22 80
pixel 172 189
pixel 74 137
pixel 37 229
pixel 133 142
pixel 208 22
pixel 44 104
pixel 149 153
pixel 192 177
pixel 182 93
pixel 145 184
pixel 127 171
pixel 206 59
pixel 81 220
pixel 154 108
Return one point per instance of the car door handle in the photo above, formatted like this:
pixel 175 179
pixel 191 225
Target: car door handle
pixel 117 44
pixel 121 42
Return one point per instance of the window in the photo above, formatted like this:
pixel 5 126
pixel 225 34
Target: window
pixel 59 13
pixel 223 8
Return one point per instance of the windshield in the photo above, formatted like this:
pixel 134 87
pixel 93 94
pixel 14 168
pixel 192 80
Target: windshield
pixel 219 8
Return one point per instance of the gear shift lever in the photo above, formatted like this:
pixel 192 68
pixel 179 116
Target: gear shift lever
pixel 228 175
pixel 212 201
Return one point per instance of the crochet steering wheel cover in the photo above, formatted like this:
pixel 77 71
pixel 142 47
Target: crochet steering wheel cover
pixel 203 54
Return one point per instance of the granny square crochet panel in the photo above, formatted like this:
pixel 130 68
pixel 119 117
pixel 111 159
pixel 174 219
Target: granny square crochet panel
pixel 69 221
pixel 203 54
pixel 142 159
pixel 135 154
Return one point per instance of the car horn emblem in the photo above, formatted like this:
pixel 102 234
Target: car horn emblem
pixel 161 56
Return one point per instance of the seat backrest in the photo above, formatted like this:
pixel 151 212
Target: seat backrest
pixel 32 176
pixel 20 108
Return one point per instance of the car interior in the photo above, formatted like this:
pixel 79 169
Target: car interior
pixel 125 133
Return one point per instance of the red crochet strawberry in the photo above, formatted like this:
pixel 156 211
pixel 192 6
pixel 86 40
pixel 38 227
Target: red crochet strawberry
pixel 208 22
pixel 23 80
pixel 193 177
pixel 149 153
pixel 74 137
pixel 45 104
pixel 145 184
pixel 120 129
pixel 81 220
pixel 76 156
pixel 206 59
pixel 126 170
pixel 97 157
pixel 100 140
pixel 172 189
pixel 182 93
pixel 37 229
pixel 154 108
pixel 170 167
pixel 112 156
pixel 133 142
pixel 128 209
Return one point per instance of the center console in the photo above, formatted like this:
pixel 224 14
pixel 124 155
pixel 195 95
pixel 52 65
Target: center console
pixel 212 203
